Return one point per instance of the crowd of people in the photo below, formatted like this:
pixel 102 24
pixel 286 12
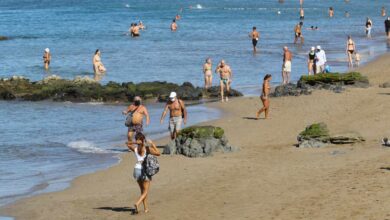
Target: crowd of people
pixel 141 147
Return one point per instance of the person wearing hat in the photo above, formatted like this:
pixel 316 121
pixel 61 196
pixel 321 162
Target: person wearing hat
pixel 177 114
pixel 46 58
pixel 139 112
pixel 310 61
pixel 320 60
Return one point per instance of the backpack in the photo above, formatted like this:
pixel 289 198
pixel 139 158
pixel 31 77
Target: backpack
pixel 151 165
pixel 129 118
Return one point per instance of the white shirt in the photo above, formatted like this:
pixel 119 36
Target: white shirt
pixel 320 58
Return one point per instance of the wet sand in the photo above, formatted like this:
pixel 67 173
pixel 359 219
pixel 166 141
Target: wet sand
pixel 269 178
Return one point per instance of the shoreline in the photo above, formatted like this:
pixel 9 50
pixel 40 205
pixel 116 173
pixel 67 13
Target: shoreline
pixel 374 70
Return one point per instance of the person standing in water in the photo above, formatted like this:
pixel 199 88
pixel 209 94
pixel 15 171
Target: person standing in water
pixel 298 33
pixel 139 112
pixel 255 38
pixel 383 11
pixel 387 27
pixel 225 74
pixel 286 68
pixel 98 66
pixel 331 12
pixel 141 148
pixel 368 28
pixel 208 73
pixel 310 61
pixel 46 58
pixel 301 13
pixel 177 114
pixel 173 25
pixel 320 60
pixel 350 49
pixel 265 97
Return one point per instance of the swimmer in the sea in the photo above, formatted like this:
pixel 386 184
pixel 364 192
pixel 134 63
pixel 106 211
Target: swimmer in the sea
pixel 298 33
pixel 383 12
pixel 135 30
pixel 346 14
pixel 98 66
pixel 301 14
pixel 331 12
pixel 141 25
pixel 173 25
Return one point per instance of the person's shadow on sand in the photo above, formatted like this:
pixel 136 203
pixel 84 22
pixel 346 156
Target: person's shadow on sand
pixel 252 118
pixel 118 209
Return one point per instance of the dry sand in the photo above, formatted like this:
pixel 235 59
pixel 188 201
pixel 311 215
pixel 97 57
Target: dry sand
pixel 268 178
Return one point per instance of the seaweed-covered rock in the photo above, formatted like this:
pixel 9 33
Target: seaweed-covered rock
pixel 85 89
pixel 335 82
pixel 317 135
pixel 347 138
pixel 3 38
pixel 199 141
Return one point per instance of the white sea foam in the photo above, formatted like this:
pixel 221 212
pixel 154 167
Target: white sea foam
pixel 198 6
pixel 127 6
pixel 84 146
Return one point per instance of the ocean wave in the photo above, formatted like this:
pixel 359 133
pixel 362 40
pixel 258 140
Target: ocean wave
pixel 84 146
pixel 197 6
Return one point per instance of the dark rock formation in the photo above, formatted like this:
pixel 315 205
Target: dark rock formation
pixel 335 82
pixel 317 135
pixel 87 90
pixel 3 38
pixel 199 141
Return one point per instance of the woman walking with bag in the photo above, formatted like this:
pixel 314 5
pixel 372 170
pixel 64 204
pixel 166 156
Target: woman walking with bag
pixel 142 150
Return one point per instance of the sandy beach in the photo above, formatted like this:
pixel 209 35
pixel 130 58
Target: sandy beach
pixel 268 178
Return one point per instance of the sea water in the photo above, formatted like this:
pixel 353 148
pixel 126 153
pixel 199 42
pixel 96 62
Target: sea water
pixel 43 145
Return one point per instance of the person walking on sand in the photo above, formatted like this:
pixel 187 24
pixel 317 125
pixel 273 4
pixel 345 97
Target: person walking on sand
pixel 208 73
pixel 138 112
pixel 310 61
pixel 98 66
pixel 331 12
pixel 255 38
pixel 286 68
pixel 387 27
pixel 46 58
pixel 141 148
pixel 368 28
pixel 265 96
pixel 320 60
pixel 173 25
pixel 298 33
pixel 350 49
pixel 177 114
pixel 225 74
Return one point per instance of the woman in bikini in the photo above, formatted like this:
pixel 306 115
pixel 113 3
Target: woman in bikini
pixel 265 96
pixel 350 49
pixel 310 61
pixel 98 66
pixel 141 148
pixel 208 74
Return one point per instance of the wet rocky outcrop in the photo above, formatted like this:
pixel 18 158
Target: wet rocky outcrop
pixel 336 82
pixel 85 89
pixel 3 38
pixel 317 135
pixel 199 141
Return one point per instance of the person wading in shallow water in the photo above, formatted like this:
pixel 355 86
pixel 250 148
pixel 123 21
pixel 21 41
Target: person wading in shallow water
pixel 255 35
pixel 139 111
pixel 46 58
pixel 225 74
pixel 177 114
pixel 265 96
pixel 208 73
pixel 141 148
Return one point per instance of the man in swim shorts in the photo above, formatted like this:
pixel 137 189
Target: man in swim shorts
pixel 225 74
pixel 298 33
pixel 255 38
pixel 177 114
pixel 286 68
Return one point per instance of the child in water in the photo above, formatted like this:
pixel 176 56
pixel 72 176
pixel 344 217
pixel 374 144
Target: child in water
pixel 357 59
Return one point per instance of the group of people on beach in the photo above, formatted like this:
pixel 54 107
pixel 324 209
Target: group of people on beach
pixel 225 77
pixel 142 147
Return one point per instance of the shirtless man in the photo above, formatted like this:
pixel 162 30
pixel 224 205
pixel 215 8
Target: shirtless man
pixel 173 25
pixel 286 68
pixel 46 58
pixel 298 33
pixel 225 74
pixel 177 114
pixel 301 14
pixel 255 38
pixel 331 12
pixel 139 111
pixel 135 30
